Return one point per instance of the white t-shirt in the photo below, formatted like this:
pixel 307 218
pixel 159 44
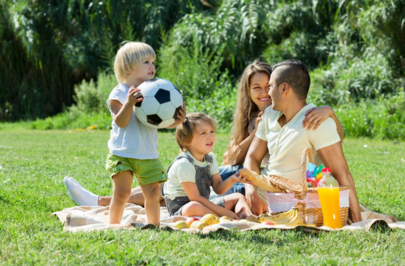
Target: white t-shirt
pixel 286 144
pixel 135 140
pixel 182 170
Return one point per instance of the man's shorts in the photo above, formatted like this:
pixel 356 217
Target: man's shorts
pixel 146 171
pixel 175 206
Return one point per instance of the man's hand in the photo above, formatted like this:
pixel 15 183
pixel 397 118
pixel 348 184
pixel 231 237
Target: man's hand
pixel 256 204
pixel 181 116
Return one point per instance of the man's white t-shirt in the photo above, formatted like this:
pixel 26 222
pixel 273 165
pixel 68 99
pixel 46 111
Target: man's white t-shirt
pixel 286 144
pixel 182 170
pixel 135 140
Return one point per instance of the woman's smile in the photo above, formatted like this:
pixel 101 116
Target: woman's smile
pixel 259 90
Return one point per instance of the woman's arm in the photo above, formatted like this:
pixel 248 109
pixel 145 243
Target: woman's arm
pixel 237 153
pixel 316 116
pixel 194 195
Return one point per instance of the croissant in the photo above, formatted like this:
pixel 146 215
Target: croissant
pixel 273 183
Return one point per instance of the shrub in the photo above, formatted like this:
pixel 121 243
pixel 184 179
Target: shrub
pixel 382 118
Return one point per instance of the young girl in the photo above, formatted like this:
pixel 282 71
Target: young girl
pixel 132 145
pixel 192 173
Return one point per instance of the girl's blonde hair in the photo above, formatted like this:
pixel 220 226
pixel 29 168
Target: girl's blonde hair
pixel 129 57
pixel 185 131
pixel 245 108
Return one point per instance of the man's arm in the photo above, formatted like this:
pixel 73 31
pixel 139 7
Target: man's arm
pixel 255 155
pixel 332 156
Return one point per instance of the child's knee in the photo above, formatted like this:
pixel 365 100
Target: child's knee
pixel 195 206
pixel 122 195
pixel 152 191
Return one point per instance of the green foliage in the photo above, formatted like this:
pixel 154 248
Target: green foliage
pixel 236 26
pixel 91 97
pixel 90 108
pixel 353 48
pixel 48 47
pixel 382 118
pixel 355 80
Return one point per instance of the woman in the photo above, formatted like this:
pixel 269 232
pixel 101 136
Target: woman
pixel 253 98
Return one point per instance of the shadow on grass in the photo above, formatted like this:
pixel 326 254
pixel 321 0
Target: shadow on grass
pixel 381 227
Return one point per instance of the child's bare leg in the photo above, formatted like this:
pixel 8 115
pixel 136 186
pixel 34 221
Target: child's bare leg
pixel 194 208
pixel 237 202
pixel 122 183
pixel 151 192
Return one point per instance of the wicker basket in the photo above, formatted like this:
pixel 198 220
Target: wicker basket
pixel 302 209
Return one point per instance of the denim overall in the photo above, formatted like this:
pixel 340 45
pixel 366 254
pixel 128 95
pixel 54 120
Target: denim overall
pixel 203 181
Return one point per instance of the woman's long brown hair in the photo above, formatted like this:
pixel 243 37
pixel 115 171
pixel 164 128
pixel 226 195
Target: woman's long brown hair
pixel 245 108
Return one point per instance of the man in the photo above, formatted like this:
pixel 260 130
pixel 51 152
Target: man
pixel 280 133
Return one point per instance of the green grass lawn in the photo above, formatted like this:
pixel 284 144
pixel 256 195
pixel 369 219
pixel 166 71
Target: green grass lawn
pixel 33 164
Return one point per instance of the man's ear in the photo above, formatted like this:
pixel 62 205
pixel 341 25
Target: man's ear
pixel 286 88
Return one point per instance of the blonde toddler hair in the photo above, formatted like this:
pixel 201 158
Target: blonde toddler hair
pixel 129 57
pixel 185 131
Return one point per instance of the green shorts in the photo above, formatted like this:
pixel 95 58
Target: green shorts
pixel 146 171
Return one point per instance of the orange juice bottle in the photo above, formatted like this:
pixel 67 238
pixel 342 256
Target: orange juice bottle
pixel 328 191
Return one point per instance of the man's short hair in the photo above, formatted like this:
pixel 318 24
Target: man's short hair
pixel 294 73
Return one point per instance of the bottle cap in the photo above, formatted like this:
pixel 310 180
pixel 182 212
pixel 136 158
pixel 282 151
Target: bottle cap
pixel 324 170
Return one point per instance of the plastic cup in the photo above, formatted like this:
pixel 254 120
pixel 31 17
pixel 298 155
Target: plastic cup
pixel 310 219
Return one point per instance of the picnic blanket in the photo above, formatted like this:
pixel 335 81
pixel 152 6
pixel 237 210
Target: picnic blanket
pixel 83 218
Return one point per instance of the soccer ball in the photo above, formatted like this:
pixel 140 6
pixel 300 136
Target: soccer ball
pixel 160 105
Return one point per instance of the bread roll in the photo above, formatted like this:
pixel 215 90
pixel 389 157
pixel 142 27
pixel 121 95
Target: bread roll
pixel 273 183
pixel 260 181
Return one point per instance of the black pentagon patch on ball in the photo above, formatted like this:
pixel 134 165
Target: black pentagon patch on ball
pixel 139 104
pixel 176 112
pixel 154 119
pixel 162 96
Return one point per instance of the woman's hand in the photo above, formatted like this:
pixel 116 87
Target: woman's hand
pixel 316 116
pixel 258 119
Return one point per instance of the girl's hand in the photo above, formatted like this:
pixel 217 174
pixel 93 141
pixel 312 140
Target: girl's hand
pixel 230 214
pixel 181 116
pixel 316 116
pixel 240 179
pixel 134 95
